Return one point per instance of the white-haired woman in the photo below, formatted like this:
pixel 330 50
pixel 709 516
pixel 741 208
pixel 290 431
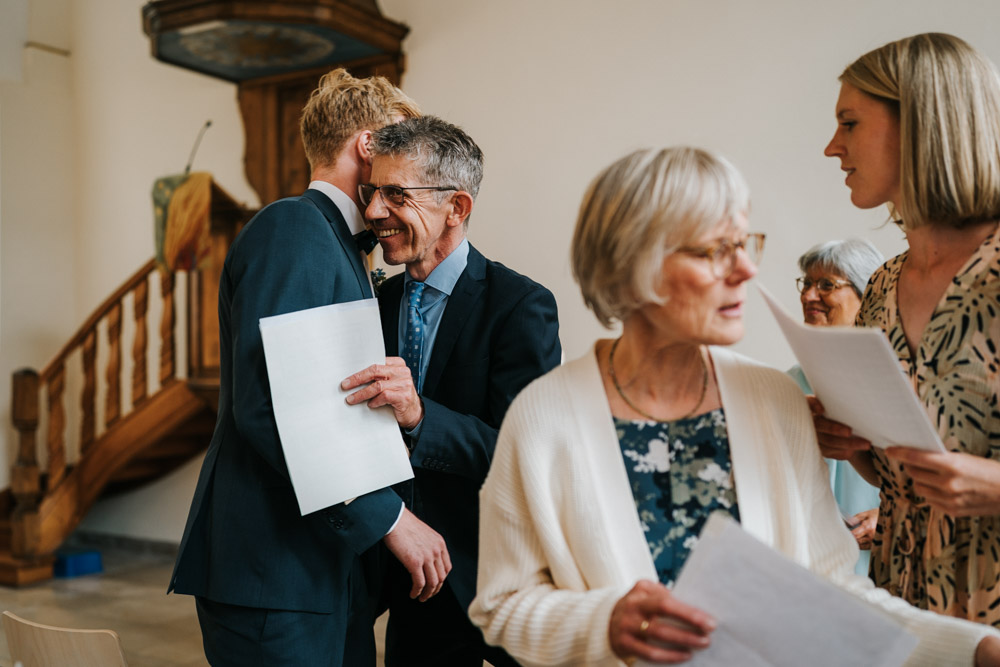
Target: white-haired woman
pixel 834 275
pixel 919 130
pixel 607 467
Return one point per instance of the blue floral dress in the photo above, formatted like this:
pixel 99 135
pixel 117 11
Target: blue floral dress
pixel 680 473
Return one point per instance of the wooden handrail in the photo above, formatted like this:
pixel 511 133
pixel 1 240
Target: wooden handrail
pixel 30 388
pixel 139 413
pixel 99 313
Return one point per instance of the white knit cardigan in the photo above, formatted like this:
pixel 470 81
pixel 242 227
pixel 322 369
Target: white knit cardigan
pixel 560 541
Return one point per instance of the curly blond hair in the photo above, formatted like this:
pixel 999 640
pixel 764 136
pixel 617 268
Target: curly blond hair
pixel 343 105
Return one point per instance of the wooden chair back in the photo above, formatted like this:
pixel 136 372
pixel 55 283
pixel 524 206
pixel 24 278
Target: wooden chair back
pixel 37 645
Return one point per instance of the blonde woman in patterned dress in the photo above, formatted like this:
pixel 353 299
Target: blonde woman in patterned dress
pixel 919 130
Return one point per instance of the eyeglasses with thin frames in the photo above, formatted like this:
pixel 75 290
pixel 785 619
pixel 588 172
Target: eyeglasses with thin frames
pixel 824 285
pixel 722 255
pixel 394 195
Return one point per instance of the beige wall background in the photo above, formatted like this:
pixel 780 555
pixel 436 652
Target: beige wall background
pixel 552 90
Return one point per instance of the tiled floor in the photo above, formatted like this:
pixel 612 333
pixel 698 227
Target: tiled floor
pixel 129 597
pixel 157 630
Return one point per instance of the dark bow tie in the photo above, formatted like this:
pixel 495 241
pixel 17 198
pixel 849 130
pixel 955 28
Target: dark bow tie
pixel 366 241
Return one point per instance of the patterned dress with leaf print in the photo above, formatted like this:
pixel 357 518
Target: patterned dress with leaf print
pixel 933 560
pixel 680 473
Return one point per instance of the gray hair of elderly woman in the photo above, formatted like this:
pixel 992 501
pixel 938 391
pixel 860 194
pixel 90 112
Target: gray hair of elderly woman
pixel 445 154
pixel 855 259
pixel 640 209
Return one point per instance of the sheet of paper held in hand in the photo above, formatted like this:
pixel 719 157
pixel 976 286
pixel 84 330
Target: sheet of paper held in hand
pixel 334 451
pixel 859 380
pixel 772 612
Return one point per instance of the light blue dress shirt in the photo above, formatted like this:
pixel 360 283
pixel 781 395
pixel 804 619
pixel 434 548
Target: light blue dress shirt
pixel 439 286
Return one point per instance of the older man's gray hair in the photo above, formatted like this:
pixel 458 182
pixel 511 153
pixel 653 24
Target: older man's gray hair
pixel 855 259
pixel 445 154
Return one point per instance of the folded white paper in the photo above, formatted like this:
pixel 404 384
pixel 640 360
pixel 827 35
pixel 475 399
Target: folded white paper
pixel 334 451
pixel 857 377
pixel 772 612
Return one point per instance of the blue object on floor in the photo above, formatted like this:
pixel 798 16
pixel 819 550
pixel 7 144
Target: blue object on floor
pixel 71 564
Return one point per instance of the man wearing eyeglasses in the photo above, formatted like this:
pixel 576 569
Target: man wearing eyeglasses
pixel 272 587
pixel 469 334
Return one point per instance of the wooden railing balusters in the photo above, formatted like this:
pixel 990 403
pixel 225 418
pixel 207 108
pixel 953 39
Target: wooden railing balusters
pixel 57 425
pixel 167 360
pixel 140 302
pixel 88 398
pixel 48 501
pixel 112 400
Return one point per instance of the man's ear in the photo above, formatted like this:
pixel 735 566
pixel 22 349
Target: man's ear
pixel 362 146
pixel 461 208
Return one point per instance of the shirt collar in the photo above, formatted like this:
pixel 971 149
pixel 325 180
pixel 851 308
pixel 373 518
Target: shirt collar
pixel 446 274
pixel 344 203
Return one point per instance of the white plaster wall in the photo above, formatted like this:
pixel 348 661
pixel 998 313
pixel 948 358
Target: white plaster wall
pixel 37 178
pixel 553 90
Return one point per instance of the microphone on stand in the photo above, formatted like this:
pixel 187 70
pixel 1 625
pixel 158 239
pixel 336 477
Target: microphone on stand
pixel 197 142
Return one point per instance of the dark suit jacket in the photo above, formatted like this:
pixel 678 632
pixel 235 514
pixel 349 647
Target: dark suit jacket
pixel 499 332
pixel 245 542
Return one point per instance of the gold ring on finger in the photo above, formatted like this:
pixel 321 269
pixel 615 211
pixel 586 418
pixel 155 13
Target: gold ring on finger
pixel 644 626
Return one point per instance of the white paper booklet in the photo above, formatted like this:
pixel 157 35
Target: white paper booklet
pixel 334 451
pixel 857 377
pixel 772 612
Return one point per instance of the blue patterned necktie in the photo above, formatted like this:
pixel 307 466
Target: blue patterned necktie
pixel 414 343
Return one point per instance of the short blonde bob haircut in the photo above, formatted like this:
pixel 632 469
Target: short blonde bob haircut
pixel 947 97
pixel 639 210
pixel 342 106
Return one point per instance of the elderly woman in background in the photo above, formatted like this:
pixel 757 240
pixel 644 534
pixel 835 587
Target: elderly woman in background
pixel 607 468
pixel 834 275
pixel 918 128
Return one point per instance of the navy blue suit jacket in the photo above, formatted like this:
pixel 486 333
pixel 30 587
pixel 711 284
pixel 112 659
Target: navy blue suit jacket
pixel 499 332
pixel 245 542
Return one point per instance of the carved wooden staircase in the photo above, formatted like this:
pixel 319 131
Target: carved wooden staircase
pixel 139 440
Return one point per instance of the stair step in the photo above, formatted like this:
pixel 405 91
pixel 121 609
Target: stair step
pixel 18 572
pixel 170 452
pixel 176 447
pixel 164 432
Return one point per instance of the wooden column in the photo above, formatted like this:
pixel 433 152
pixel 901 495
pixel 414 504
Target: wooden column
pixel 25 481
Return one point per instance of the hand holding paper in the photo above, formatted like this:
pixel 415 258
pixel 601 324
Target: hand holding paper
pixel 334 451
pixel 389 384
pixel 836 440
pixel 857 377
pixel 651 623
pixel 767 609
pixel 958 484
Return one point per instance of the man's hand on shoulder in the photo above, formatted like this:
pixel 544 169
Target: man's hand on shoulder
pixel 422 552
pixel 389 384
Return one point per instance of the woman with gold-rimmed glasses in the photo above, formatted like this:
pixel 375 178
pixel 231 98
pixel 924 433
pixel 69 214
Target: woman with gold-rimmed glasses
pixel 607 467
pixel 833 280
